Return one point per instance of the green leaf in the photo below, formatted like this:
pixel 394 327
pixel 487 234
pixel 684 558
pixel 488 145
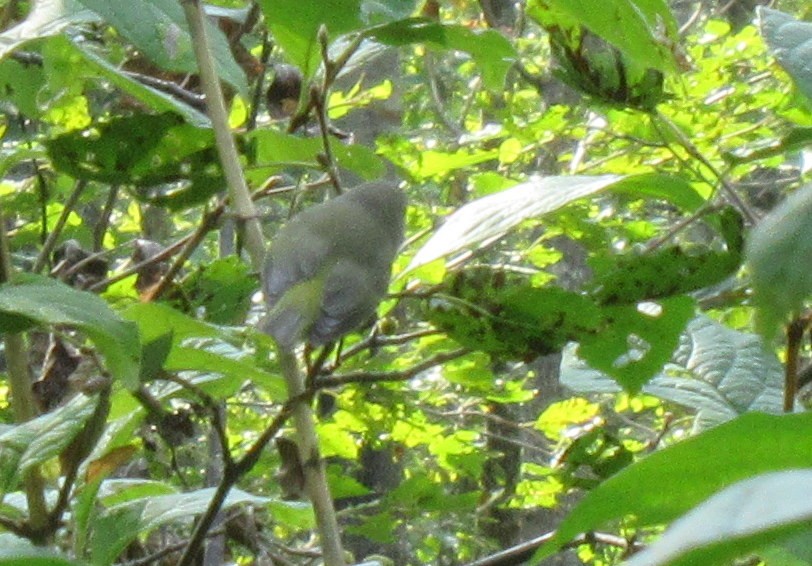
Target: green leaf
pixel 790 42
pixel 716 371
pixel 277 149
pixel 15 551
pixel 494 215
pixel 158 28
pixel 120 524
pixel 295 23
pixel 379 528
pixel 642 30
pixel 670 271
pixel 636 341
pixel 766 508
pixel 45 301
pixel 46 18
pixel 222 290
pixel 145 150
pixel 38 440
pixel 490 49
pixel 431 163
pixel 667 483
pixel 511 320
pixel 155 99
pixel 777 251
pixel 21 84
pixel 201 347
pixel 675 190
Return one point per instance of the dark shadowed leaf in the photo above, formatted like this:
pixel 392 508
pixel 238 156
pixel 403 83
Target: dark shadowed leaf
pixel 643 30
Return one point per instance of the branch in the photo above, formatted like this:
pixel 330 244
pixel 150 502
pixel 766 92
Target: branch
pixel 694 152
pixel 375 377
pixel 231 475
pixel 522 552
pixel 207 224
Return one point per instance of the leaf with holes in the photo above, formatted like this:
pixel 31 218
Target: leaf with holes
pixel 716 371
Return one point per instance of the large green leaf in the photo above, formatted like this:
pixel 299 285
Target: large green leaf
pixel 716 371
pixel 15 551
pixel 46 18
pixel 777 250
pixel 120 524
pixel 40 439
pixel 45 301
pixel 276 150
pixel 791 43
pixel 641 29
pixel 635 342
pixel 676 190
pixel 159 29
pixel 155 99
pixel 494 215
pixel 665 484
pixel 488 312
pixel 737 520
pixel 295 23
pixel 491 50
pixel 200 347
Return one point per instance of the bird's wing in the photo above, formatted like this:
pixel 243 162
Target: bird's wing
pixel 301 262
pixel 350 299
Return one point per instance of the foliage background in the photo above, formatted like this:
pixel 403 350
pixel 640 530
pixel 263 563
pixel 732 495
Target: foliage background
pixel 596 326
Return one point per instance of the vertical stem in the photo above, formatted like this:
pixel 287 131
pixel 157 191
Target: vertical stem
pixel 22 399
pixel 795 333
pixel 312 464
pixel 226 148
pixel 241 199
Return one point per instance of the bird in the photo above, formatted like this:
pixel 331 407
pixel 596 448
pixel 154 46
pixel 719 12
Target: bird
pixel 330 265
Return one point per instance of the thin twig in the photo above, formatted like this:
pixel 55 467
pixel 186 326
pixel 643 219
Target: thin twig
pixel 53 235
pixel 231 475
pixel 100 229
pixel 403 375
pixel 694 152
pixel 207 224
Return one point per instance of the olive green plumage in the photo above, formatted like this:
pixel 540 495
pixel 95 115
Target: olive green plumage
pixel 329 266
